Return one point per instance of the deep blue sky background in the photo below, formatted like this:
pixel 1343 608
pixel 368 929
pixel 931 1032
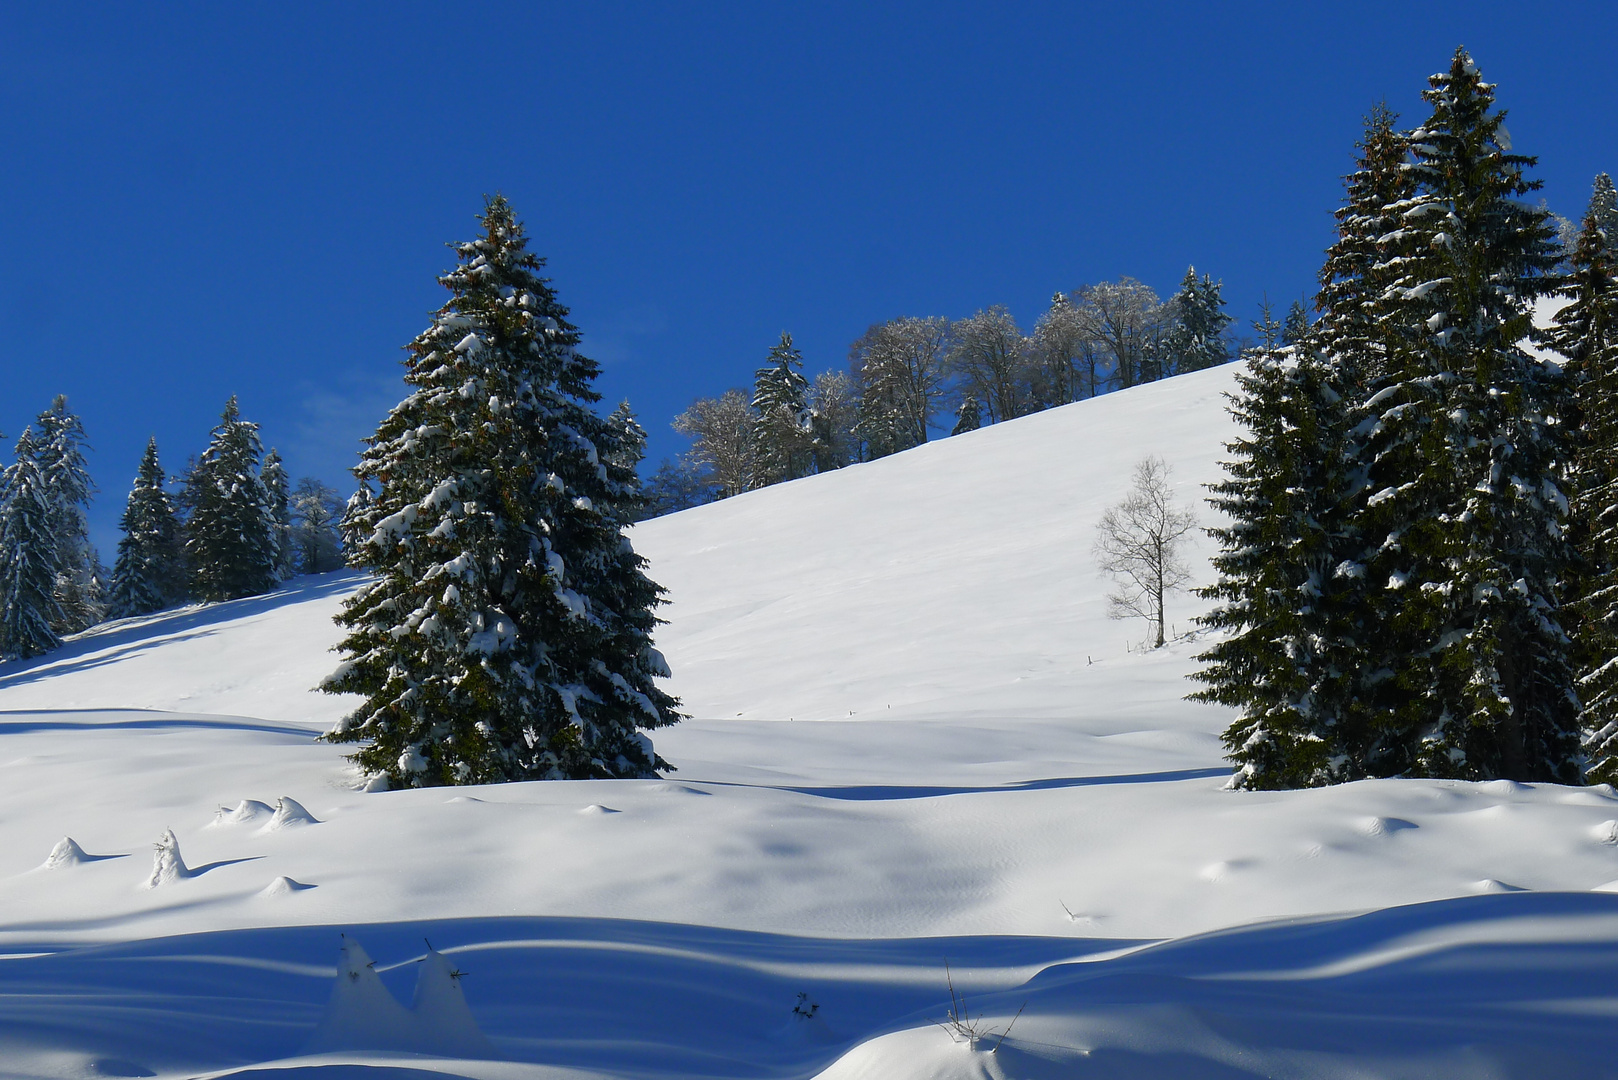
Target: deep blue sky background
pixel 209 199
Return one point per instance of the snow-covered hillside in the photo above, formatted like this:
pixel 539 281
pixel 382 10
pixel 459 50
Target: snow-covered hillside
pixel 917 745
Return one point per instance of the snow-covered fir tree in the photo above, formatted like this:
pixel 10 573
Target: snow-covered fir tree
pixel 1289 661
pixel 59 448
pixel 506 634
pixel 969 417
pixel 29 609
pixel 357 523
pixel 146 576
pixel 1197 339
pixel 279 503
pixel 626 450
pixel 1365 257
pixel 1604 210
pixel 230 532
pixel 781 427
pixel 1586 334
pixel 1462 450
pixel 1295 327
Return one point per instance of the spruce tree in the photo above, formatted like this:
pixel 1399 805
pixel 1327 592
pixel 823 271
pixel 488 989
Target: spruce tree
pixel 1367 253
pixel 357 523
pixel 1604 210
pixel 626 449
pixel 969 417
pixel 1462 450
pixel 59 450
pixel 1289 662
pixel 278 501
pixel 1197 339
pixel 781 402
pixel 1295 328
pixel 506 634
pixel 230 534
pixel 146 576
pixel 29 608
pixel 1586 334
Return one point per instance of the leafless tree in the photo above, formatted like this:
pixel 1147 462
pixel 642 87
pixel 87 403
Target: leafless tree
pixel 1065 355
pixel 1128 322
pixel 721 430
pixel 900 368
pixel 833 412
pixel 1138 544
pixel 989 356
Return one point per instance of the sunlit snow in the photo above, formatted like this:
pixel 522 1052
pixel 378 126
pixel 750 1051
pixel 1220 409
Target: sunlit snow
pixel 919 756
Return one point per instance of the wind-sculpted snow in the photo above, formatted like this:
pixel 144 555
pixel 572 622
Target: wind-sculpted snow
pixel 1483 987
pixel 916 742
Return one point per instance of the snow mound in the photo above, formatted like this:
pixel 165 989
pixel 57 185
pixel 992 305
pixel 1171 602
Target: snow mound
pixel 284 886
pixel 1606 832
pixel 362 1015
pixel 289 813
pixel 1384 826
pixel 244 811
pixel 168 866
pixel 595 809
pixel 1490 885
pixel 66 853
pixel 444 1023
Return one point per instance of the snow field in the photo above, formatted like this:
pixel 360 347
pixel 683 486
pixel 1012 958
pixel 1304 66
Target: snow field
pixel 916 741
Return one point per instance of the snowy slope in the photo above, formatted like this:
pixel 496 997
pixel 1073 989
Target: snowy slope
pixel 916 740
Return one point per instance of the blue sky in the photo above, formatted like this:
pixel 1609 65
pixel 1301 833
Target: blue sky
pixel 210 199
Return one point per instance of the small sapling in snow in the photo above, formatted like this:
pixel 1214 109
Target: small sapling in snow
pixel 805 1009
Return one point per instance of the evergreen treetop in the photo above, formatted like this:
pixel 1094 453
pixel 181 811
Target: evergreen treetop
pixel 229 537
pixel 29 609
pixel 146 577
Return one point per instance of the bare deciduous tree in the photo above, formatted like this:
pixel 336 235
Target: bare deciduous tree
pixel 1138 543
pixel 988 355
pixel 721 430
pixel 1128 321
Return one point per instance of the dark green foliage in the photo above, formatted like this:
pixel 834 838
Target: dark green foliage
pixel 1295 329
pixel 59 448
pixel 147 576
pixel 1462 443
pixel 230 533
pixel 969 417
pixel 1586 333
pixel 1285 592
pixel 507 632
pixel 279 504
pixel 29 608
pixel 781 404
pixel 1197 339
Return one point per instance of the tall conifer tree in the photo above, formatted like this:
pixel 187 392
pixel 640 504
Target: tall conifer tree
pixel 146 576
pixel 1464 440
pixel 1586 333
pixel 507 632
pixel 29 609
pixel 781 403
pixel 278 502
pixel 58 446
pixel 229 536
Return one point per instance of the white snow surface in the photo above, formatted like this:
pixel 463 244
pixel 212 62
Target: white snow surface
pixel 919 755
